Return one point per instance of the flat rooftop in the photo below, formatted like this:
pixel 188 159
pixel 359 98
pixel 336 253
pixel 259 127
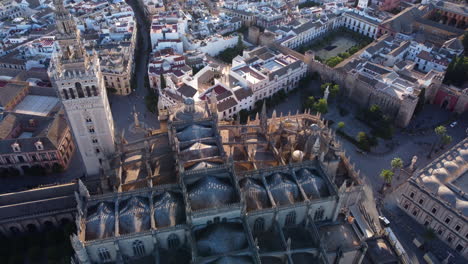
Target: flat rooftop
pixel 36 105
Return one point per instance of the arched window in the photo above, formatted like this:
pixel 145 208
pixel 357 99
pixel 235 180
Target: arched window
pixel 259 225
pixel 88 91
pixel 95 93
pixel 319 214
pixel 104 254
pixel 138 248
pixel 173 241
pixel 79 90
pixel 14 230
pixel 65 94
pixel 290 219
pixel 72 93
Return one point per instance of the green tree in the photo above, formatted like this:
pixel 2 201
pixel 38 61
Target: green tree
pixel 321 106
pixel 334 90
pixel 440 131
pixel 333 61
pixel 445 140
pixel 397 163
pixel 456 71
pixel 429 235
pixel 374 109
pixel 387 176
pixel 151 102
pixel 341 125
pixel 324 86
pixel 239 45
pixel 363 141
pixel 309 103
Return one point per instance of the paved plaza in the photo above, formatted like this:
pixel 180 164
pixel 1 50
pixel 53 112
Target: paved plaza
pixel 415 140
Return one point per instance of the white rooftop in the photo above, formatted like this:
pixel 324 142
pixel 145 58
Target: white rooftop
pixel 36 105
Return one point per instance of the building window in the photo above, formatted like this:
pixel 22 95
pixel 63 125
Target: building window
pixel 88 119
pixel 459 248
pixel 449 239
pixel 457 228
pixel 79 90
pixel 95 140
pixel 259 225
pixel 98 151
pixel 434 210
pixel 447 220
pixel 412 195
pixel 421 201
pixel 72 93
pixel 406 206
pixel 290 219
pixel 319 214
pixel 91 130
pixel 138 248
pixel 173 241
pixel 415 212
pixel 104 254
pixel 43 156
pixel 65 94
pixel 440 231
pixel 95 93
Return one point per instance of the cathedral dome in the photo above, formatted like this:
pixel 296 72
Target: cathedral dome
pixel 312 184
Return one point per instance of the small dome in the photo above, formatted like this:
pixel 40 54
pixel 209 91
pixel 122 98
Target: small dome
pixel 297 155
pixel 314 127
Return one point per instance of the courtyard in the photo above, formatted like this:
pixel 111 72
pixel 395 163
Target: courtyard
pixel 337 46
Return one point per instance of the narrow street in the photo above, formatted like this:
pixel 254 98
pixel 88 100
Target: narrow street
pixel 123 106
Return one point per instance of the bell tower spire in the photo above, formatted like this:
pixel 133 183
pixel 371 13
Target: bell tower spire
pixel 68 36
pixel 77 78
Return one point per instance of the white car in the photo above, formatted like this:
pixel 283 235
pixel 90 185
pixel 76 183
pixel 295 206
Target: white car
pixel 384 221
pixel 453 124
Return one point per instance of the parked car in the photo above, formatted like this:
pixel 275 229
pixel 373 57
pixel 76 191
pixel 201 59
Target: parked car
pixel 384 221
pixel 453 124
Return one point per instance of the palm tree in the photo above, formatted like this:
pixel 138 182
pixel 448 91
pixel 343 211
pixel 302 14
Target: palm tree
pixel 387 175
pixel 446 139
pixel 440 131
pixel 397 163
pixel 341 125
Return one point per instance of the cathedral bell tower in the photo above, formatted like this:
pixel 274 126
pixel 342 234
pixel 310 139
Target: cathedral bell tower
pixel 77 78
